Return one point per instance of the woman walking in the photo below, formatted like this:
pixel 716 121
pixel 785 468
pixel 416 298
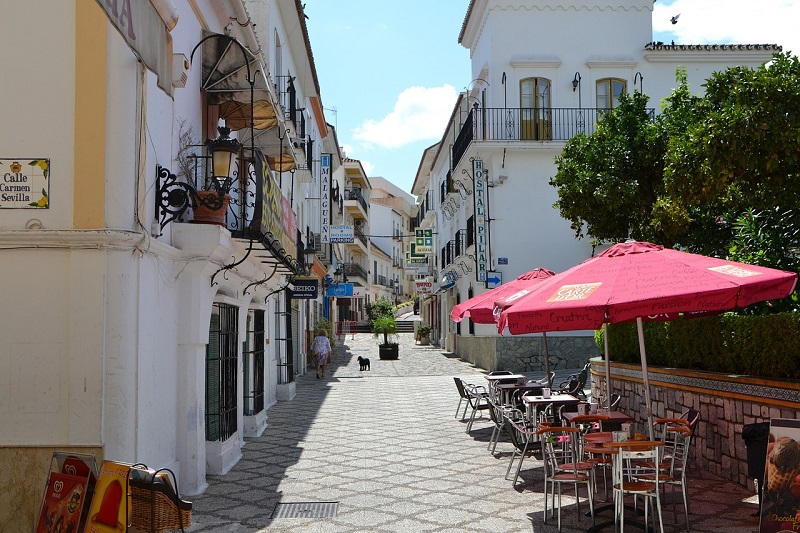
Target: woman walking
pixel 321 348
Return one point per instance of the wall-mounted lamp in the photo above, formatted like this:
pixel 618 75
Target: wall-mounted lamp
pixel 311 256
pixel 174 198
pixel 576 81
pixel 641 81
pixel 223 152
pixel 576 85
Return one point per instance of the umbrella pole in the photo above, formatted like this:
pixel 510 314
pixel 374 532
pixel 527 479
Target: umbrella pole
pixel 645 380
pixel 608 367
pixel 546 357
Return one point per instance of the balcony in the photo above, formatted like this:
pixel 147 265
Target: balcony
pixel 355 203
pixel 352 270
pixel 359 233
pixel 514 124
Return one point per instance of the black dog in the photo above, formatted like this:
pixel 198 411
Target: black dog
pixel 363 363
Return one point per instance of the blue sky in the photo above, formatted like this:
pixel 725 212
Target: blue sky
pixel 392 70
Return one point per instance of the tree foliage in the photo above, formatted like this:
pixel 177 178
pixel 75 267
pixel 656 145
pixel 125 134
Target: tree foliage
pixel 608 182
pixel 717 174
pixel 743 148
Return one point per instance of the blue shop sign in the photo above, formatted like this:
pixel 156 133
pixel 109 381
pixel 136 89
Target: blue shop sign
pixel 340 290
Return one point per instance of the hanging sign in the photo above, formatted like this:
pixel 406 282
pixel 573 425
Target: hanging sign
pixel 305 289
pixel 340 290
pixel 481 220
pixel 342 234
pixel 423 241
pixel 24 183
pixel 325 197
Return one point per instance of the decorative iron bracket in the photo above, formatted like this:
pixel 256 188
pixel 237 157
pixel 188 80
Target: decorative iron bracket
pixel 174 198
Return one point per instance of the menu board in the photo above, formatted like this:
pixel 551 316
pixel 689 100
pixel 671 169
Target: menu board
pixel 780 508
pixel 63 503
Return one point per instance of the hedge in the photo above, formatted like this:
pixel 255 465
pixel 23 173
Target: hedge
pixel 762 346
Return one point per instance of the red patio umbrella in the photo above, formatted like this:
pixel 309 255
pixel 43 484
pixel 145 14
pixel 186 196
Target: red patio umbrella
pixel 481 308
pixel 640 280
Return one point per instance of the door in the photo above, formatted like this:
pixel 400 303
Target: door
pixel 535 114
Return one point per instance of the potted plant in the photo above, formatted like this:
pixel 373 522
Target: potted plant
pixel 424 334
pixel 386 325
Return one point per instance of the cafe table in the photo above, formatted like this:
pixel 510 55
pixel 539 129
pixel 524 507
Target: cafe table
pixel 615 418
pixel 535 402
pixel 507 390
pixel 500 379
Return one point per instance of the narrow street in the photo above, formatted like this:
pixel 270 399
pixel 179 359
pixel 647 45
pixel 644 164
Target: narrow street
pixel 384 447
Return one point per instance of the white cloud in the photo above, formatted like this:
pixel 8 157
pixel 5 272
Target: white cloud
pixel 420 113
pixel 731 22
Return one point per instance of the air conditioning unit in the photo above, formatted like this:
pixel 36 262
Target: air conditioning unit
pixel 180 70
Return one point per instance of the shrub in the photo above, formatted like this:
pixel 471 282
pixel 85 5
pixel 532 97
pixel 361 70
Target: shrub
pixel 423 330
pixel 761 345
pixel 385 326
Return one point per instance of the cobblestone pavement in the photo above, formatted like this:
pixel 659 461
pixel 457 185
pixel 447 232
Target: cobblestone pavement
pixel 385 446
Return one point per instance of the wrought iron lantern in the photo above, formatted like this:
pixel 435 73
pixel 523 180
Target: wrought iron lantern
pixel 174 198
pixel 224 151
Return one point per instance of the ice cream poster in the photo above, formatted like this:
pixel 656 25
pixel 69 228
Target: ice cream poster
pixel 63 504
pixel 109 505
pixel 780 508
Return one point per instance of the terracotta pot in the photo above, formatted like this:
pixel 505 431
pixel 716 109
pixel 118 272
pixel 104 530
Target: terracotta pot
pixel 204 215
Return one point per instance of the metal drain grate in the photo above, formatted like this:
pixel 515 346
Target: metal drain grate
pixel 305 510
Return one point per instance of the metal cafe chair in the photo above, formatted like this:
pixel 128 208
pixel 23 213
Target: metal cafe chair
pixel 521 432
pixel 629 479
pixel 561 451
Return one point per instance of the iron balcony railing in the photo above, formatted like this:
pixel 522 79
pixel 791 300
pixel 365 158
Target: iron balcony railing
pixel 355 193
pixel 461 242
pixel 354 269
pixel 514 124
pixel 358 232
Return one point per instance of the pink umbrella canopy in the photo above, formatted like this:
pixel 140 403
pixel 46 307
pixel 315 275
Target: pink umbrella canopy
pixel 641 281
pixel 480 308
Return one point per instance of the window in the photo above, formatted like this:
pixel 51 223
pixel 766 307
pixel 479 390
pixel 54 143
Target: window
pixel 221 372
pixel 608 92
pixel 535 114
pixel 253 355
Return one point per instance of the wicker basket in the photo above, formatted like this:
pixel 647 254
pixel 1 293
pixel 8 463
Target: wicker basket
pixel 157 507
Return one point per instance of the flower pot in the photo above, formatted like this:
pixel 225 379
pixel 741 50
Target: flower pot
pixel 204 215
pixel 424 340
pixel 388 351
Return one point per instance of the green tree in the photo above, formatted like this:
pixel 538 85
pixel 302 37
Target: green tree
pixel 740 151
pixel 608 182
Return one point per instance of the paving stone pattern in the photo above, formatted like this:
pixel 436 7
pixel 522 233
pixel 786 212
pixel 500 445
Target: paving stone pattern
pixel 385 445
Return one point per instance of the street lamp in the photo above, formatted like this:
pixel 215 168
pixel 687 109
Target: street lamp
pixel 223 152
pixel 576 85
pixel 311 256
pixel 641 81
pixel 174 198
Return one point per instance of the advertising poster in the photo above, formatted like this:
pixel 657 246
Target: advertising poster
pixel 108 511
pixel 780 508
pixel 63 503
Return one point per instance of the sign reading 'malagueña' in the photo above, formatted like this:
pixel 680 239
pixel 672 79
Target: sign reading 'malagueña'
pixel 24 183
pixel 325 198
pixel 481 241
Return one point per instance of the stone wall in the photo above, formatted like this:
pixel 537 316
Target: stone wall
pixel 725 404
pixel 526 354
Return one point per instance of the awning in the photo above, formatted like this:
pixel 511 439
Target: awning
pixel 237 115
pixel 283 163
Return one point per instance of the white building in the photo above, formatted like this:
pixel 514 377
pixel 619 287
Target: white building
pixel 541 72
pixel 392 213
pixel 131 332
